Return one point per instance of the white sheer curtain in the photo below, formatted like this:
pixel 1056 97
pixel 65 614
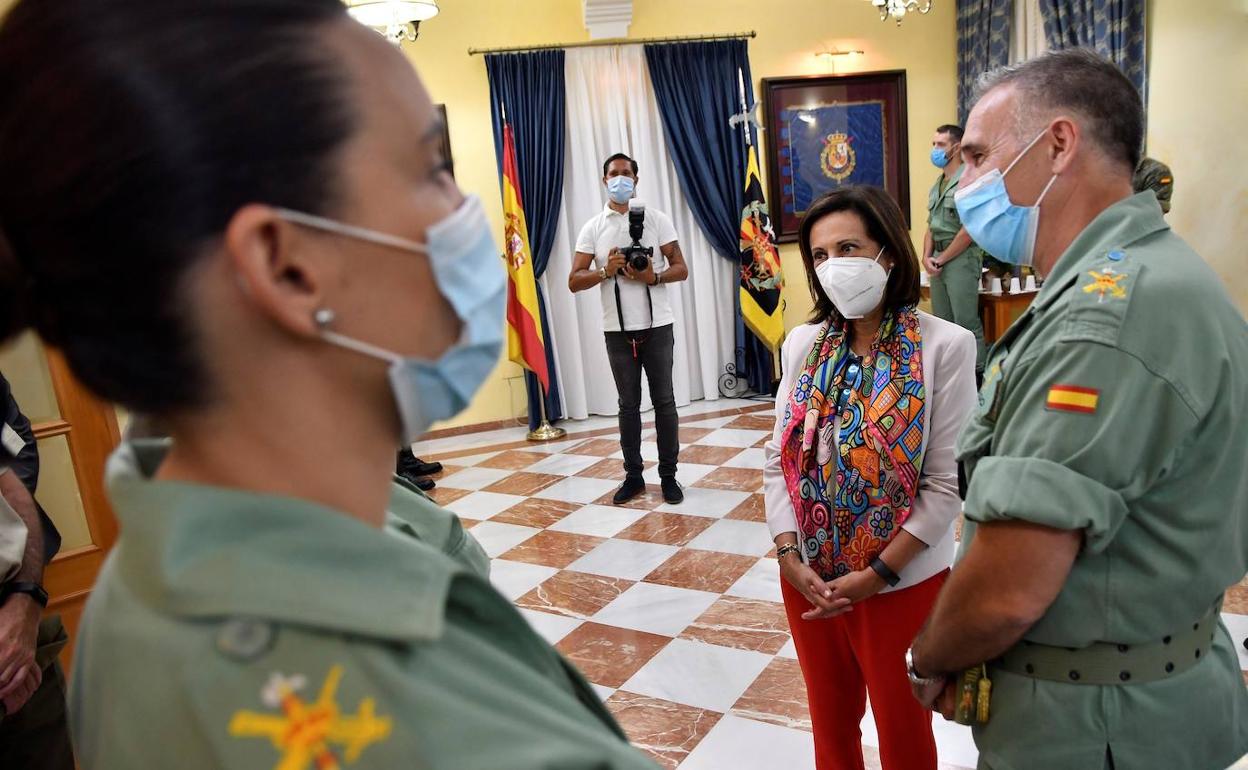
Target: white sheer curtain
pixel 1027 31
pixel 611 108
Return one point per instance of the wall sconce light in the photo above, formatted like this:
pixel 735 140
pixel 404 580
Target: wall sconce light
pixel 830 58
pixel 834 53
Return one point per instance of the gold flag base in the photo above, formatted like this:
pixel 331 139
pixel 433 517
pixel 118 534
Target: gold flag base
pixel 546 432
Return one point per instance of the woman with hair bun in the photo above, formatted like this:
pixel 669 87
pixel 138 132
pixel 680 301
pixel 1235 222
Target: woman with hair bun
pixel 233 215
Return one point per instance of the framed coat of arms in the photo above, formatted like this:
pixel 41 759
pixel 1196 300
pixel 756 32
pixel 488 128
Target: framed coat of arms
pixel 829 131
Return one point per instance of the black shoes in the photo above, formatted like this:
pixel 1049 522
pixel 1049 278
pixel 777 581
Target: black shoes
pixel 672 493
pixel 410 467
pixel 635 485
pixel 424 484
pixel 632 486
pixel 410 463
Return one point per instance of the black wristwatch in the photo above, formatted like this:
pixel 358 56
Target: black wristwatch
pixel 33 590
pixel 886 574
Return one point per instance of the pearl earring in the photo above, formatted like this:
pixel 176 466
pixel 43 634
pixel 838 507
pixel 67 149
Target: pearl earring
pixel 323 317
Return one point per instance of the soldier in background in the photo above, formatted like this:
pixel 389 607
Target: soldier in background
pixel 1154 175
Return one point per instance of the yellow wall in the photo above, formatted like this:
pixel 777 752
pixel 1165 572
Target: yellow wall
pixel 1198 108
pixel 789 35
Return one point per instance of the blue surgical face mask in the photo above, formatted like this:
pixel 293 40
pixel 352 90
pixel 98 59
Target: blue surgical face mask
pixel 998 226
pixel 620 188
pixel 940 158
pixel 470 275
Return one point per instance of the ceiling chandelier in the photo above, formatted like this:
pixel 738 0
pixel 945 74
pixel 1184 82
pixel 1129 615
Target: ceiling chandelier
pixel 897 9
pixel 397 20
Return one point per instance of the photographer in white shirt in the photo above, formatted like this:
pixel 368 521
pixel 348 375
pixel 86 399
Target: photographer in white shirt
pixel 637 315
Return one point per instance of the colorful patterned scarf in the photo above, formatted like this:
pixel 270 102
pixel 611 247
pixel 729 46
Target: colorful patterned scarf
pixel 869 414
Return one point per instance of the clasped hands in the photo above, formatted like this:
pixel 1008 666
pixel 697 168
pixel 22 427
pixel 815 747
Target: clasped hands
pixel 20 675
pixel 829 599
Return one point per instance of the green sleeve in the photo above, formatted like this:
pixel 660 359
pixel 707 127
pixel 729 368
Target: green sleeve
pixel 1075 470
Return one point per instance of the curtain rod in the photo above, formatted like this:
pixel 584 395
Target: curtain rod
pixel 614 41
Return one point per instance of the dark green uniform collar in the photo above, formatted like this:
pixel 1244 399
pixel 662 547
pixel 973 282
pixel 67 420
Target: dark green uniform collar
pixel 952 185
pixel 210 552
pixel 1117 227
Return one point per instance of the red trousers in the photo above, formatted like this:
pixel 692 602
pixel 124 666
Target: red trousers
pixel 864 651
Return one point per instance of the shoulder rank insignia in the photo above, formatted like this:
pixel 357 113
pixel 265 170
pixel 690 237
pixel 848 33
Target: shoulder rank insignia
pixel 1106 282
pixel 1071 398
pixel 304 732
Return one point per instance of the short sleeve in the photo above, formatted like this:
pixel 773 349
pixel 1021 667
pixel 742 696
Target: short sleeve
pixel 12 540
pixel 585 240
pixel 1083 429
pixel 666 230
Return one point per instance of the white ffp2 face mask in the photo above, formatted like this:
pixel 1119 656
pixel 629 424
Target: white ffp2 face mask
pixel 854 284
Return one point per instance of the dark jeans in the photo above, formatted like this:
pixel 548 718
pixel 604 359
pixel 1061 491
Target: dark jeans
pixel 654 355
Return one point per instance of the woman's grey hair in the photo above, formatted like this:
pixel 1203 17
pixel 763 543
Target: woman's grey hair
pixel 1078 81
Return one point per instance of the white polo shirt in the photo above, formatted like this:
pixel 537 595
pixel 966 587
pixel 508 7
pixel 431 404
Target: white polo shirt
pixel 609 230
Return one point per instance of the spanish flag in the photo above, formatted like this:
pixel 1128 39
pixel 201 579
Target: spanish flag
pixel 1072 398
pixel 525 344
pixel 761 278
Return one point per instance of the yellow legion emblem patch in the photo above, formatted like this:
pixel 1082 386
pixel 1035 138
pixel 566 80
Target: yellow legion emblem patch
pixel 1106 283
pixel 305 733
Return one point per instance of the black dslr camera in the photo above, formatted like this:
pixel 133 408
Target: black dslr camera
pixel 638 256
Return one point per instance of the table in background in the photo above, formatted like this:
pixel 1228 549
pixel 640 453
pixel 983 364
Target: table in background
pixel 997 311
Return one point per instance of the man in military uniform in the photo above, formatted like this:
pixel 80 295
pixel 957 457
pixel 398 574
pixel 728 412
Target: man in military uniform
pixel 1108 473
pixel 950 257
pixel 1154 175
pixel 34 732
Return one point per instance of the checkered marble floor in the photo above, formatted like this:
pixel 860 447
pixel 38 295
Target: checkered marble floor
pixel 673 612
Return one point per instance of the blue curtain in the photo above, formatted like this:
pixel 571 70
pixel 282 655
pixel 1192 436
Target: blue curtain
pixel 529 86
pixel 1113 28
pixel 695 85
pixel 983 44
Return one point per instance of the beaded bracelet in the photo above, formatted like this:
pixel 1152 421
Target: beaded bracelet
pixel 785 550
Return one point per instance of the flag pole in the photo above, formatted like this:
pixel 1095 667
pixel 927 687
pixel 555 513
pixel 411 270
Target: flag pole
pixel 545 431
pixel 745 109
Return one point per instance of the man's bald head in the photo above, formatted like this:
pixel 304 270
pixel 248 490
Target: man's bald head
pixel 1078 83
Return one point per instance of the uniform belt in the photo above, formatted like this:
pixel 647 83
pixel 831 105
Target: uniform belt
pixel 1106 663
pixel 941 245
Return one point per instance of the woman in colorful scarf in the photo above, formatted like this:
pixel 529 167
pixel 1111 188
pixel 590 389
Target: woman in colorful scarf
pixel 860 477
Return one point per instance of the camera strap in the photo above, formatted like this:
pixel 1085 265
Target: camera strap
pixel 619 309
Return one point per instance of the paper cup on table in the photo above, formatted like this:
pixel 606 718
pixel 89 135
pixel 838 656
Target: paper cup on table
pixel 1031 283
pixel 995 287
pixel 924 279
pixel 1016 286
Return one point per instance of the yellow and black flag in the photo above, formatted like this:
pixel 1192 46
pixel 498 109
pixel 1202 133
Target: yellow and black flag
pixel 761 277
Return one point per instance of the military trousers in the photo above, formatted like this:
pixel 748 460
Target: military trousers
pixel 955 296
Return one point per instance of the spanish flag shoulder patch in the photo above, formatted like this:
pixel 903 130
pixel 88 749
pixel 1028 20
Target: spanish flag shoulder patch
pixel 1072 398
